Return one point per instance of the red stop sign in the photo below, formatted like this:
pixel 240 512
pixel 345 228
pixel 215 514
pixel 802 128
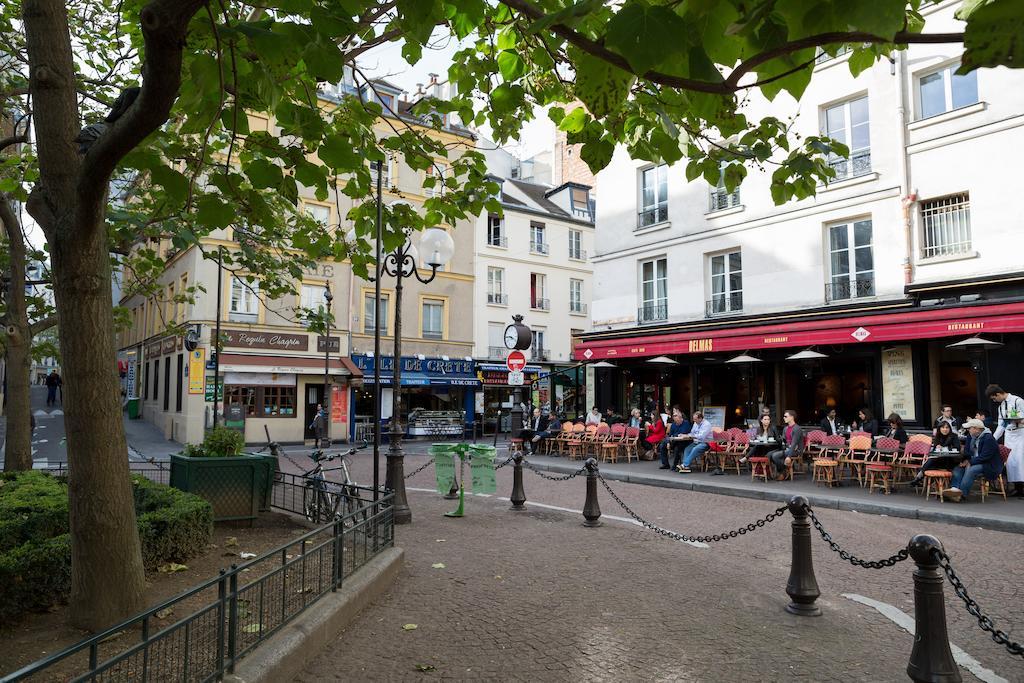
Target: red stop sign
pixel 516 361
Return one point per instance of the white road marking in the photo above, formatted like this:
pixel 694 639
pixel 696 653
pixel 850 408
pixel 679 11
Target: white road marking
pixel 906 622
pixel 534 503
pixel 40 441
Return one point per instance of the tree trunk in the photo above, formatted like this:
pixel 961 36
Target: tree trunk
pixel 18 450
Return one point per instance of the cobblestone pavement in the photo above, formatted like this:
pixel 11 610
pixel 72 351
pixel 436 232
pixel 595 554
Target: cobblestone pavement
pixel 536 596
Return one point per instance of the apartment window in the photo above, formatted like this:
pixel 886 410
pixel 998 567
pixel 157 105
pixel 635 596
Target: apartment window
pixel 726 283
pixel 653 290
pixel 439 171
pixel 824 56
pixel 538 349
pixel 371 314
pixel 179 384
pixel 172 306
pixel 945 90
pixel 496 286
pixel 653 196
pixel 576 296
pixel 538 238
pixel 183 311
pixel 721 198
pixel 387 102
pixel 433 318
pixel 386 182
pixel 539 292
pixel 576 245
pixel 947 225
pixel 580 203
pixel 262 401
pixel 496 231
pixel 320 213
pixel 244 300
pixel 848 123
pixel 496 340
pixel 851 262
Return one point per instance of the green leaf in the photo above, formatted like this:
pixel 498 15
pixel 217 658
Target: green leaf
pixel 994 35
pixel 861 60
pixel 597 154
pixel 645 35
pixel 511 65
pixel 264 174
pixel 574 121
pixel 603 88
pixel 326 61
pixel 214 213
pixel 174 183
pixel 568 16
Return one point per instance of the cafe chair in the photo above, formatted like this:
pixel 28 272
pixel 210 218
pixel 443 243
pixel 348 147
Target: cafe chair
pixel 914 454
pixel 515 445
pixel 592 445
pixel 631 444
pixel 922 438
pixel 736 448
pixel 760 467
pixel 713 457
pixel 577 444
pixel 610 446
pixel 999 481
pixel 879 464
pixel 855 456
pixel 825 468
pixel 812 443
pixel 860 433
pixel 561 442
pixel 547 445
pixel 935 482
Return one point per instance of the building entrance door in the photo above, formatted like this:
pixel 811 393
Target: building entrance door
pixel 314 397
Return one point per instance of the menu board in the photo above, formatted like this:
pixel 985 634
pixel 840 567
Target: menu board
pixel 715 415
pixel 898 382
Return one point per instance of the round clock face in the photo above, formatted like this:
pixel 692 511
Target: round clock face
pixel 511 337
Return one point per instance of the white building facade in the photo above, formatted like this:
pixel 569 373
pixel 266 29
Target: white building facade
pixel 534 261
pixel 914 246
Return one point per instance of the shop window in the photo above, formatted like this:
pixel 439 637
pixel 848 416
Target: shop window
pixel 851 261
pixel 726 283
pixel 945 90
pixel 847 122
pixel 653 290
pixel 260 401
pixel 245 396
pixel 244 300
pixel 145 382
pixel 433 319
pixel 371 314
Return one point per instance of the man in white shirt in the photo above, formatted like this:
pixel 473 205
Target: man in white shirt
pixel 1011 428
pixel 700 434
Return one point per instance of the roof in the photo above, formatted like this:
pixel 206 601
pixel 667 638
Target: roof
pixel 566 184
pixel 538 195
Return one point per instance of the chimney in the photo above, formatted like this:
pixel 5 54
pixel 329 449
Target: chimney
pixel 419 90
pixel 436 89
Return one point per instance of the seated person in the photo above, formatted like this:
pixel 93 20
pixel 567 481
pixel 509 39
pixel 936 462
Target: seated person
pixel 536 430
pixel 764 431
pixel 990 422
pixel 946 416
pixel 896 430
pixel 983 460
pixel 679 427
pixel 829 423
pixel 701 435
pixel 635 419
pixel 611 417
pixel 944 439
pixel 793 440
pixel 865 422
pixel 655 432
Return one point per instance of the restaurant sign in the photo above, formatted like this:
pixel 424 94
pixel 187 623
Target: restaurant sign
pixel 245 339
pixel 420 371
pixel 898 382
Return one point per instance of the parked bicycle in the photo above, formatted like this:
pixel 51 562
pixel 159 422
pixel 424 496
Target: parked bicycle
pixel 329 500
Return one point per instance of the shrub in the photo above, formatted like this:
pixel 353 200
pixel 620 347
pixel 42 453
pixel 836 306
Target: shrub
pixel 219 442
pixel 35 547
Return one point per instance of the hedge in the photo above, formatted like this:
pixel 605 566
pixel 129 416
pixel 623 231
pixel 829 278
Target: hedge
pixel 35 547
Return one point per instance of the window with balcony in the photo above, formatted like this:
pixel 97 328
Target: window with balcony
pixel 539 292
pixel 496 286
pixel 538 238
pixel 538 350
pixel 721 198
pixel 945 90
pixel 433 318
pixel 653 196
pixel 848 123
pixel 726 283
pixel 653 291
pixel 371 314
pixel 245 304
pixel 576 304
pixel 496 340
pixel 946 226
pixel 576 246
pixel 851 261
pixel 496 231
pixel 386 175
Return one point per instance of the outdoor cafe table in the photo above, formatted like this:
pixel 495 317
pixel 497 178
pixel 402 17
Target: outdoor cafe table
pixel 761 447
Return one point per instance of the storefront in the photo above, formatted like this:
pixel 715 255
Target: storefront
pixel 498 395
pixel 435 385
pixel 893 359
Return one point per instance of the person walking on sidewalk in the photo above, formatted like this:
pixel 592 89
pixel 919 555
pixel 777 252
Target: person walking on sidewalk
pixel 1011 428
pixel 53 383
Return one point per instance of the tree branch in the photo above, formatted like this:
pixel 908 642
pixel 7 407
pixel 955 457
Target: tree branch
pixel 12 140
pixel 41 325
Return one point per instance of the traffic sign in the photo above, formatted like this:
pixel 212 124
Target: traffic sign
pixel 516 361
pixel 515 378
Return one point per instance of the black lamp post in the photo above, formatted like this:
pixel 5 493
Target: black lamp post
pixel 328 298
pixel 401 264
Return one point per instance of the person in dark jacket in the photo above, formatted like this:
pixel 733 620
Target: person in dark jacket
pixel 793 440
pixel 945 440
pixel 866 422
pixel 896 430
pixel 829 423
pixel 536 430
pixel 984 460
pixel 678 427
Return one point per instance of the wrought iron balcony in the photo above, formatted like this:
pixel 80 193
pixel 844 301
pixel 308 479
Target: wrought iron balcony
pixel 652 216
pixel 577 307
pixel 652 313
pixel 577 254
pixel 539 248
pixel 541 304
pixel 721 200
pixel 497 352
pixel 723 304
pixel 540 354
pixel 845 289
pixel 859 163
pixel 497 240
pixel 497 298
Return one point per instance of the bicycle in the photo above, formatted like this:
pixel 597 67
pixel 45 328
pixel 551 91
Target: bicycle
pixel 330 500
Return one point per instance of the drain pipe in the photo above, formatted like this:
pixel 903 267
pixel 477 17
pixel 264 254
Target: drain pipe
pixel 908 196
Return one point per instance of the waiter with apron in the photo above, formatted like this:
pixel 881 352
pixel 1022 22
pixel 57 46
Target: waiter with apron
pixel 1011 428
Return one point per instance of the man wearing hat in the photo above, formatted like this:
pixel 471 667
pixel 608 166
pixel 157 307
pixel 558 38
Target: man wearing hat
pixel 981 458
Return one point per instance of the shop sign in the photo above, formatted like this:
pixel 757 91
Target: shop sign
pixel 169 345
pixel 244 339
pixel 153 349
pixel 208 390
pixel 427 371
pixel 700 345
pixel 898 382
pixel 500 378
pixel 339 403
pixel 321 344
pixel 197 371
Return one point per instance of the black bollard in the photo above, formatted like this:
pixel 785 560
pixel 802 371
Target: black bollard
pixel 591 510
pixel 518 493
pixel 931 660
pixel 802 586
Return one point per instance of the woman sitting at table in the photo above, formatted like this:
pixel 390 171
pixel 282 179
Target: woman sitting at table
pixel 655 432
pixel 896 430
pixel 865 422
pixel 944 439
pixel 764 432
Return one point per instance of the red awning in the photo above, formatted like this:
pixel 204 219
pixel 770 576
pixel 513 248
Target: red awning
pixel 339 366
pixel 903 326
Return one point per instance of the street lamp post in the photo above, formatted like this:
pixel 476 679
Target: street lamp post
pixel 401 264
pixel 328 298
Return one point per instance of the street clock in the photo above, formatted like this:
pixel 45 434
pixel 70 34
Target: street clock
pixel 518 336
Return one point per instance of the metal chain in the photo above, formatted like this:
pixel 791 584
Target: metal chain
pixel 507 461
pixel 541 474
pixel 419 469
pixel 852 559
pixel 974 609
pixel 753 526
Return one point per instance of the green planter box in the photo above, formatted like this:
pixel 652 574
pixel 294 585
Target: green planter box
pixel 237 487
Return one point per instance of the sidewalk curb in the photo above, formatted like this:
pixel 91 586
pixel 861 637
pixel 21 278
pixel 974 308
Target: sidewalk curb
pixel 282 657
pixel 1015 526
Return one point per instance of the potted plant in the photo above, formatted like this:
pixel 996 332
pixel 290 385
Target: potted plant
pixel 235 483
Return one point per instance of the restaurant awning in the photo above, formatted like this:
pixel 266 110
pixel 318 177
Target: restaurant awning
pixel 299 365
pixel 855 329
